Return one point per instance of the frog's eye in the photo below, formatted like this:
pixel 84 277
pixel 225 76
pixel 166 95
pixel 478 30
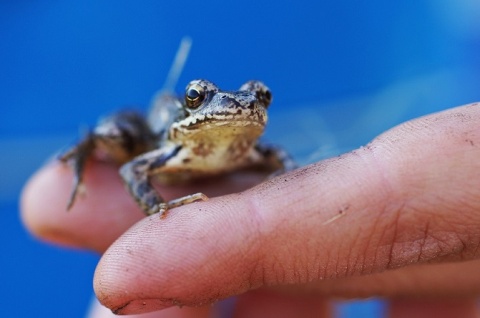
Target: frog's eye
pixel 263 94
pixel 194 96
pixel 261 91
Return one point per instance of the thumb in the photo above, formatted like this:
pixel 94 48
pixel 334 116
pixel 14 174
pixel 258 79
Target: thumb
pixel 390 204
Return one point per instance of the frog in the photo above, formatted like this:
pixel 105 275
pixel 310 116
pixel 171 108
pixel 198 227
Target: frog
pixel 206 132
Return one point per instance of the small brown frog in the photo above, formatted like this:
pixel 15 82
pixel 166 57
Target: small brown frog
pixel 208 132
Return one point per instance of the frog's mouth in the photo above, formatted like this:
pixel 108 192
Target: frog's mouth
pixel 215 122
pixel 218 128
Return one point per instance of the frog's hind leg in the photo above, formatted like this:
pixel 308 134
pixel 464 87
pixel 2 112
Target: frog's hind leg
pixel 136 176
pixel 77 157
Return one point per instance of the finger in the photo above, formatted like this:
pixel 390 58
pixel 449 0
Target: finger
pixel 98 217
pixel 441 281
pixel 391 204
pixel 439 308
pixel 264 303
pixel 105 210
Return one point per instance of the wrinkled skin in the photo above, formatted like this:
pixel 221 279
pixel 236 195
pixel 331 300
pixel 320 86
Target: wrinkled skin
pixel 398 218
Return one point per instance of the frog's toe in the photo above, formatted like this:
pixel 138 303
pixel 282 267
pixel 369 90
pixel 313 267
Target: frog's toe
pixel 77 188
pixel 159 209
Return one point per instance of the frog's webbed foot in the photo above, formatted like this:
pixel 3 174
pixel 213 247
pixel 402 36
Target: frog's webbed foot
pixel 77 157
pixel 136 176
pixel 163 207
pixel 275 159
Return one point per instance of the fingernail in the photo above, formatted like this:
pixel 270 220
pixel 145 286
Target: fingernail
pixel 141 306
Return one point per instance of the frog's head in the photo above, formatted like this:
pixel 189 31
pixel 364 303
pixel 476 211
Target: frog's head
pixel 241 112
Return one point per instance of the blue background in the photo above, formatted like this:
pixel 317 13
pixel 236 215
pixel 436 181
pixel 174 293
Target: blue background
pixel 341 72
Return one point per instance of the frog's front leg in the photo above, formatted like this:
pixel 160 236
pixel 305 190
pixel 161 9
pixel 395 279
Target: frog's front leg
pixel 137 174
pixel 274 159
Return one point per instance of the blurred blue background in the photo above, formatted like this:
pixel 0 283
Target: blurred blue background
pixel 341 72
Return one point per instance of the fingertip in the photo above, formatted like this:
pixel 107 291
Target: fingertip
pixel 94 221
pixel 198 254
pixel 34 199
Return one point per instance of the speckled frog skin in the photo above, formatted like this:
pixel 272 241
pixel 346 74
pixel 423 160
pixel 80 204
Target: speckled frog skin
pixel 207 132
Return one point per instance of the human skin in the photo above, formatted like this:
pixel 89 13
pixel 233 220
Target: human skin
pixel 398 218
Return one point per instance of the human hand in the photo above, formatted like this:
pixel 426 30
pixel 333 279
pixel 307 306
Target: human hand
pixel 399 218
